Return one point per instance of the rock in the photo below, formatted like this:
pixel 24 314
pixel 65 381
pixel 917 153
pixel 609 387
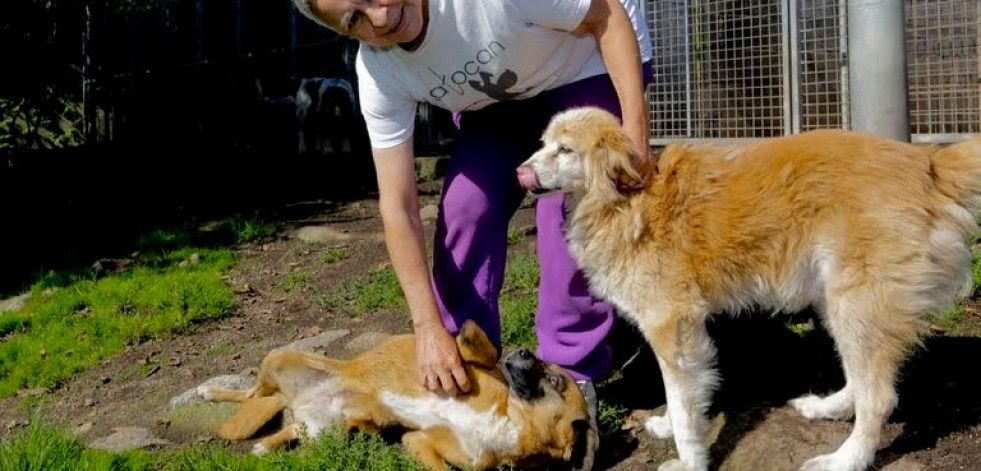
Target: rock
pixel 200 419
pixel 15 303
pixel 320 234
pixel 82 429
pixel 319 342
pixel 128 438
pixel 429 213
pixel 314 330
pixel 365 341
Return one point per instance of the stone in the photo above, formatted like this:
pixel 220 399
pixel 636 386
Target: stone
pixel 128 438
pixel 366 341
pixel 15 303
pixel 429 213
pixel 319 342
pixel 321 235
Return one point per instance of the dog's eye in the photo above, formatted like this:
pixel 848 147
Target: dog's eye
pixel 564 149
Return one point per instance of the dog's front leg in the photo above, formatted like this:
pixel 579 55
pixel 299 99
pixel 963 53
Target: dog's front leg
pixel 686 356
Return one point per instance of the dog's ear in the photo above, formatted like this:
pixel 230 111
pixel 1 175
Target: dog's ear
pixel 475 347
pixel 582 452
pixel 612 166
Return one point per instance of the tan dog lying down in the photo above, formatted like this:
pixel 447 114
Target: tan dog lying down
pixel 871 233
pixel 535 415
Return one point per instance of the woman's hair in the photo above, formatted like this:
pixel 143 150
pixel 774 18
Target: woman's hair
pixel 304 7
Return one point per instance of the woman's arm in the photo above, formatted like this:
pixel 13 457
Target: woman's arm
pixel 617 42
pixel 439 362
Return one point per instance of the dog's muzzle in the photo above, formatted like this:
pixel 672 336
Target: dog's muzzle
pixel 528 180
pixel 525 373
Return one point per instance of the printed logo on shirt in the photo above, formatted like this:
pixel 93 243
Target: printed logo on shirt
pixel 497 90
pixel 494 87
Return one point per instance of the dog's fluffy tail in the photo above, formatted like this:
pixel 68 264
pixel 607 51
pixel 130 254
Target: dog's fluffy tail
pixel 958 172
pixel 250 417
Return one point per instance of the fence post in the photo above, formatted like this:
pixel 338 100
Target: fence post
pixel 199 65
pixel 88 107
pixel 877 68
pixel 291 45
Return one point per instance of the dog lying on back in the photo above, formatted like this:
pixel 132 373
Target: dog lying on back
pixel 871 233
pixel 534 415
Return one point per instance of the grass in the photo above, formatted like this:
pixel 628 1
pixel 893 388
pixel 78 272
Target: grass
pixel 42 447
pixel 296 280
pixel 379 289
pixel 515 235
pixel 610 416
pixel 333 255
pixel 519 301
pixel 74 319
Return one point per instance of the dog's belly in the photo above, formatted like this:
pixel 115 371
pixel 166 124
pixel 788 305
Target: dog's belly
pixel 797 285
pixel 476 431
pixel 319 406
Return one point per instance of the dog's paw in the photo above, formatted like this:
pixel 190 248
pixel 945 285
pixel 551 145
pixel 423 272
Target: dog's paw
pixel 259 449
pixel 659 426
pixel 835 462
pixel 674 465
pixel 830 408
pixel 205 393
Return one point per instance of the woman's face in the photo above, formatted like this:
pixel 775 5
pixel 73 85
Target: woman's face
pixel 380 23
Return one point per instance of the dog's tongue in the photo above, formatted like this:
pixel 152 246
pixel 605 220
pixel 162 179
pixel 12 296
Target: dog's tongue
pixel 527 178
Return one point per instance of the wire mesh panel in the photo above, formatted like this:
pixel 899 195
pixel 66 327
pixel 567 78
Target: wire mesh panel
pixel 718 68
pixel 670 89
pixel 942 60
pixel 822 45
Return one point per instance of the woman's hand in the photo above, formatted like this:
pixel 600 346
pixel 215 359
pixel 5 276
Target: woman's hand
pixel 643 160
pixel 440 367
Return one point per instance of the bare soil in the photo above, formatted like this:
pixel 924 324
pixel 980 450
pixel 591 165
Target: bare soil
pixel 936 427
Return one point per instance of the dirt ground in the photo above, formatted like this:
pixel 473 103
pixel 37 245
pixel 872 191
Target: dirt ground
pixel 936 427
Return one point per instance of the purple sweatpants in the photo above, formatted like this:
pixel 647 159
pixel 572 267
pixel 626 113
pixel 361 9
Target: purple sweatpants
pixel 481 194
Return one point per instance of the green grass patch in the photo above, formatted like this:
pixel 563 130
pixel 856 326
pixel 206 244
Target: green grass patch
pixel 236 230
pixel 41 447
pixel 610 416
pixel 13 321
pixel 296 280
pixel 976 268
pixel 74 320
pixel 519 301
pixel 333 255
pixel 515 235
pixel 379 289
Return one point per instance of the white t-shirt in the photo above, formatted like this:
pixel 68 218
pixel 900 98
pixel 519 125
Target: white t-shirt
pixel 478 52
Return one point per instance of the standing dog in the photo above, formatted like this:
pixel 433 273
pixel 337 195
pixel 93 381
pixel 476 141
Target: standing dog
pixel 536 414
pixel 872 233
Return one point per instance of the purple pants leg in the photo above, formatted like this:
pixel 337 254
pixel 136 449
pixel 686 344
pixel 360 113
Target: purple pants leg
pixel 480 195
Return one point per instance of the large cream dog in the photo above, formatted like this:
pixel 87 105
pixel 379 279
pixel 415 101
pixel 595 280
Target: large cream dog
pixel 536 414
pixel 872 233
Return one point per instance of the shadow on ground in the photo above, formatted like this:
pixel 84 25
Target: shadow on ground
pixel 764 364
